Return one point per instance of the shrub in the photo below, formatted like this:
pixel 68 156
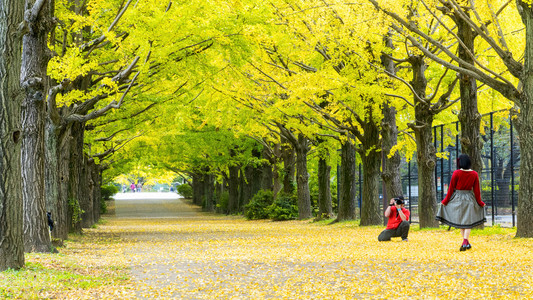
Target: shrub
pixel 103 206
pixel 258 206
pixel 284 208
pixel 185 190
pixel 108 190
pixel 222 203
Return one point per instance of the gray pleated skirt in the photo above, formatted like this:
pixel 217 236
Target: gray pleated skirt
pixel 462 211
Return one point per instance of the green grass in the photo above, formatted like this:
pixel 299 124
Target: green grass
pixel 29 282
pixel 82 267
pixel 487 231
pixel 494 230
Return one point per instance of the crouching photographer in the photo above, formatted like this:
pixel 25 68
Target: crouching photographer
pixel 398 224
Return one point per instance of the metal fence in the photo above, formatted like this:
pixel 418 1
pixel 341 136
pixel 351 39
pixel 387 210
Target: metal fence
pixel 499 178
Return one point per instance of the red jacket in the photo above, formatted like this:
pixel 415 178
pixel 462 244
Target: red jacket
pixel 464 180
pixel 394 217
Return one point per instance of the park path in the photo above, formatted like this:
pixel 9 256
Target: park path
pixel 178 252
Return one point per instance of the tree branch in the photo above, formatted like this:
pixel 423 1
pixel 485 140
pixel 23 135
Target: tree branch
pixel 506 88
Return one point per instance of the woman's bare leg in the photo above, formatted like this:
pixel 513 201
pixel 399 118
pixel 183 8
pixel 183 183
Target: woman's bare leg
pixel 466 233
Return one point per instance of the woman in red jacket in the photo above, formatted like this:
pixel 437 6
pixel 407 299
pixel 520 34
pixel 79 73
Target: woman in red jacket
pixel 462 208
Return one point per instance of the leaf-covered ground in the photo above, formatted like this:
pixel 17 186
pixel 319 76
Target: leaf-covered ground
pixel 205 256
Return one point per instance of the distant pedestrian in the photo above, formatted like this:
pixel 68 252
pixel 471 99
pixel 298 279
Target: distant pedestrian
pixel 462 208
pixel 132 187
pixel 139 187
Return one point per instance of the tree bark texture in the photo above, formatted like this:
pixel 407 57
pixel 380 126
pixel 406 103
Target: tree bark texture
pixel 75 171
pixel 277 186
pixel 256 174
pixel 87 201
pixel 209 186
pixel 195 188
pixel 11 97
pixel 97 192
pixel 371 160
pixel 347 191
pixel 389 138
pixel 243 189
pixel 524 126
pixel 233 189
pixel 57 157
pixel 426 155
pixel 35 57
pixel 267 175
pixel 267 178
pixel 247 184
pixel 427 193
pixel 287 152
pixel 51 184
pixel 302 175
pixel 324 190
pixel 469 117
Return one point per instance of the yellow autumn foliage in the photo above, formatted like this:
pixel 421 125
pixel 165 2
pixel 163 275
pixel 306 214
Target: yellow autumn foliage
pixel 227 257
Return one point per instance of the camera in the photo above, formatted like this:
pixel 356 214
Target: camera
pixel 398 201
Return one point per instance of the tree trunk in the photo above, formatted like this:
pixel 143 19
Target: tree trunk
pixel 57 156
pixel 219 190
pixel 209 185
pixel 371 160
pixel 11 97
pixel 51 179
pixel 85 194
pixel 233 189
pixel 267 179
pixel 469 117
pixel 198 180
pixel 347 191
pixel 426 158
pixel 243 188
pixel 324 190
pixel 34 80
pixel 257 182
pixel 246 184
pixel 97 192
pixel 524 125
pixel 195 188
pixel 87 202
pixel 302 175
pixel 389 138
pixel 287 153
pixel 275 170
pixel 75 171
pixel 267 174
pixel 427 192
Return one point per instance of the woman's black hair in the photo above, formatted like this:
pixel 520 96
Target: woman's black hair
pixel 464 162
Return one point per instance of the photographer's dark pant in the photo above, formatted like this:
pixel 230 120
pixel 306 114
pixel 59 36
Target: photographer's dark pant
pixel 402 231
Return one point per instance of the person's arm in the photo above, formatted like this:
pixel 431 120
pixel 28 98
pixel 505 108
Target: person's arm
pixel 388 210
pixel 451 189
pixel 477 191
pixel 400 213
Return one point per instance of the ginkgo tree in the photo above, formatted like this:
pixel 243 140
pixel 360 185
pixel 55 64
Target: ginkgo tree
pixel 331 76
pixel 505 70
pixel 105 54
pixel 11 205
